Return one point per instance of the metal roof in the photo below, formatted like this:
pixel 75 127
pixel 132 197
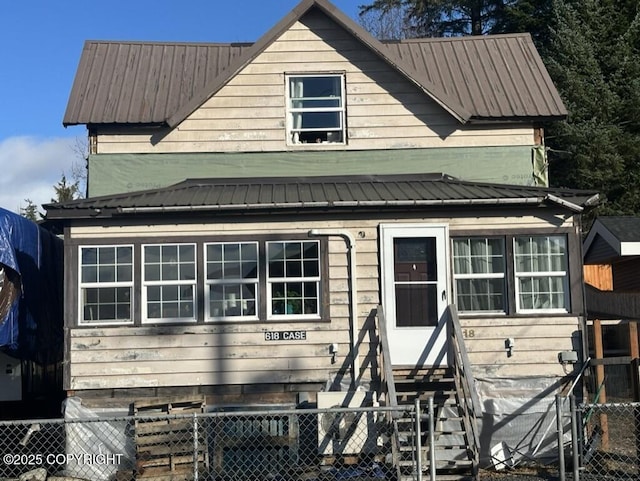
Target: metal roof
pixel 499 77
pixel 493 76
pixel 352 192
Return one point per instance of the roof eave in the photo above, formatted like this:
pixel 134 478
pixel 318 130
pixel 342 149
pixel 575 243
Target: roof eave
pixel 55 214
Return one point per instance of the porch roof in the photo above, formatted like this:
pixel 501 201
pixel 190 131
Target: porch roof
pixel 254 195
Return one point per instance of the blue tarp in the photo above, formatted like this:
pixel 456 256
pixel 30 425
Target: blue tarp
pixel 32 326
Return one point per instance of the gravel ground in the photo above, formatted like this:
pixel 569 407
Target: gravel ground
pixel 522 474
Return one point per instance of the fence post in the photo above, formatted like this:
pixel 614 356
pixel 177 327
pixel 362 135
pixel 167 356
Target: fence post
pixel 195 447
pixel 574 438
pixel 418 442
pixel 560 430
pixel 432 441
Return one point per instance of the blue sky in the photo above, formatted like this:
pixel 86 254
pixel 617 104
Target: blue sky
pixel 41 42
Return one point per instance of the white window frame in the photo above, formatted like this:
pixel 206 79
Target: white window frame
pixel 293 133
pixel 172 282
pixel 481 276
pixel 270 281
pixel 564 275
pixel 106 285
pixel 209 316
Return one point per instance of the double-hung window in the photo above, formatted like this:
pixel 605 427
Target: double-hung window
pixel 106 284
pixel 169 283
pixel 231 281
pixel 315 109
pixel 479 274
pixel 293 279
pixel 541 273
pixel 210 280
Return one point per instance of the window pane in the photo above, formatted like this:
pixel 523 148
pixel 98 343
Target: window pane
pixel 152 272
pixel 214 270
pixel 293 250
pixel 107 255
pixel 89 256
pixel 318 120
pixel 415 259
pixel 125 255
pixel 151 254
pixel 214 252
pixel 294 269
pixel 89 274
pixel 250 252
pixel 169 272
pixel 187 254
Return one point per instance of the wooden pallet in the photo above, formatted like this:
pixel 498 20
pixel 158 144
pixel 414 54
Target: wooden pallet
pixel 165 447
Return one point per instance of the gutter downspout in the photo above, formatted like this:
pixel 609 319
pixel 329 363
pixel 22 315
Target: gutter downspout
pixel 353 299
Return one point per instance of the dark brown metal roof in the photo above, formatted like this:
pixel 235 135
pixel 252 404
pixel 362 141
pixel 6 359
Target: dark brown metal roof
pixel 497 76
pixel 142 82
pixel 476 77
pixel 352 192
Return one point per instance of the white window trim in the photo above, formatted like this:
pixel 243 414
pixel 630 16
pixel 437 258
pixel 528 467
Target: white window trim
pixel 145 284
pixel 291 110
pixel 270 281
pixel 209 282
pixel 489 275
pixel 95 285
pixel 559 274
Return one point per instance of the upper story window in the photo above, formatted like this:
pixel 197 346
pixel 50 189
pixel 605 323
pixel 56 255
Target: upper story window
pixel 231 280
pixel 538 282
pixel 315 109
pixel 106 284
pixel 169 282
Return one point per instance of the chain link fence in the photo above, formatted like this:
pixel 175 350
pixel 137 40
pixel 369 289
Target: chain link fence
pixel 337 443
pixel 610 441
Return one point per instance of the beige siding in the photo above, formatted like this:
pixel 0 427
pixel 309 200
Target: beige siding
pixel 385 111
pixel 147 356
pixel 537 342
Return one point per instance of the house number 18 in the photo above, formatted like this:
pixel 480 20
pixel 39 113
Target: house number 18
pixel 468 333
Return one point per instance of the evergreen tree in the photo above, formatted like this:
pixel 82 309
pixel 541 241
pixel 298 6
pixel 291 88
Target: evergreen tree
pixel 593 57
pixel 65 191
pixel 445 18
pixel 30 211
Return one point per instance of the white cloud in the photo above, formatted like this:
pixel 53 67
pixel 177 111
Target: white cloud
pixel 31 166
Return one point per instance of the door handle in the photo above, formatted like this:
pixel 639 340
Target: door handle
pixel 444 295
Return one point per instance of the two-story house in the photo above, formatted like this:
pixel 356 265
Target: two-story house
pixel 292 186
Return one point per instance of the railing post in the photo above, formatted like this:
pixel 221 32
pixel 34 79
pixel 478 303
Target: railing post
pixel 432 441
pixel 574 438
pixel 195 447
pixel 418 442
pixel 560 430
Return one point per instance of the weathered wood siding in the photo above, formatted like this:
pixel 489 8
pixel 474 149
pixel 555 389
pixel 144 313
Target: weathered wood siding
pixel 537 342
pixel 149 356
pixel 384 110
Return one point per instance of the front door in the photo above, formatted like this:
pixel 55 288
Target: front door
pixel 414 293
